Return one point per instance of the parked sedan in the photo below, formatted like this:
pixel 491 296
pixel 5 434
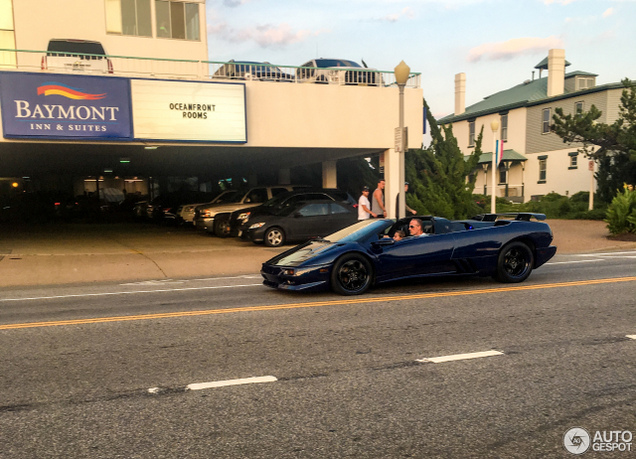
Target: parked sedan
pixel 337 71
pixel 239 221
pixel 300 222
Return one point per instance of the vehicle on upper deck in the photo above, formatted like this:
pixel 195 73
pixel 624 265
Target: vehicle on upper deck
pixel 251 70
pixel 67 54
pixel 337 71
pixel 352 260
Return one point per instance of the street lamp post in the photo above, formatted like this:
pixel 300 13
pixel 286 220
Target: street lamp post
pixel 401 72
pixel 485 167
pixel 494 125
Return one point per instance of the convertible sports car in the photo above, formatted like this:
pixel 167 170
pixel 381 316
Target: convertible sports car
pixel 353 259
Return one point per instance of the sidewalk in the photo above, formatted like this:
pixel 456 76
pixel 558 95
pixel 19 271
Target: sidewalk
pixel 76 253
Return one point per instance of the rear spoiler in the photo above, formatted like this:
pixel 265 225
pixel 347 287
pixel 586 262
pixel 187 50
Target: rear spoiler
pixel 524 216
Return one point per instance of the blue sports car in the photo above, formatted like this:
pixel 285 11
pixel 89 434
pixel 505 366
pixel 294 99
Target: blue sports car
pixel 350 261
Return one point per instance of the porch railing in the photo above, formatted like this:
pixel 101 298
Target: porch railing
pixel 185 69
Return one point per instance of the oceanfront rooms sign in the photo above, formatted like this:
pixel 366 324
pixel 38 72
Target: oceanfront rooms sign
pixel 189 111
pixel 64 106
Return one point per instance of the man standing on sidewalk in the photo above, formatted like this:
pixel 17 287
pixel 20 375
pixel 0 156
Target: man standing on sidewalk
pixel 377 203
pixel 364 206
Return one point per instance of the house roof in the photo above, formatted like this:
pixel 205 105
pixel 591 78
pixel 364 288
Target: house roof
pixel 530 92
pixel 543 65
pixel 509 155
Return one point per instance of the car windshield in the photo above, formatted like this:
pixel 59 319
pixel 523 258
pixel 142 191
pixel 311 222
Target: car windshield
pixel 322 63
pixel 229 196
pixel 360 231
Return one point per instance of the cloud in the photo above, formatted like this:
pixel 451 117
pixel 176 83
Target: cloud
pixel 512 48
pixel 560 2
pixel 608 12
pixel 406 13
pixel 266 35
pixel 234 3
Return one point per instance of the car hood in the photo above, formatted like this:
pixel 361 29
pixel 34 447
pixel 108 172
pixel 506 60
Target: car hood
pixel 308 254
pixel 220 208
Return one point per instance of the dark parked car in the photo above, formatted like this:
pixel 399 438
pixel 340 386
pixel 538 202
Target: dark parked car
pixel 250 70
pixel 238 222
pixel 350 261
pixel 301 221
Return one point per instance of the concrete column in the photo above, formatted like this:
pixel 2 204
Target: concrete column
pixel 329 174
pixel 392 179
pixel 284 176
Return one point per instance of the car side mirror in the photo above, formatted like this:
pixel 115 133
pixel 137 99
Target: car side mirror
pixel 384 242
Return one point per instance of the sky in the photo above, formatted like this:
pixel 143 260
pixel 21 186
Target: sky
pixel 496 43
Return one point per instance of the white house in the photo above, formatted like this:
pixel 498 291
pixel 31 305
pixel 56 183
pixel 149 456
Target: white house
pixel 535 160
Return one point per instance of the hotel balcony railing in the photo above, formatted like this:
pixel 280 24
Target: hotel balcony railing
pixel 184 69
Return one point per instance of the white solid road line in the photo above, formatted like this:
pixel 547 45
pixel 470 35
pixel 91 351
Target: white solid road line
pixel 452 358
pixel 231 382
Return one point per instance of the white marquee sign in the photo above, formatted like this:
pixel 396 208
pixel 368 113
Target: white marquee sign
pixel 189 111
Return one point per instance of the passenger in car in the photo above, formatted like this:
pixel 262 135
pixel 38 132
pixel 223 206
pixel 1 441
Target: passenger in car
pixel 399 235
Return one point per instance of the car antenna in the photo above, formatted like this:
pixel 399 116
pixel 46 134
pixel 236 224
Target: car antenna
pixel 365 64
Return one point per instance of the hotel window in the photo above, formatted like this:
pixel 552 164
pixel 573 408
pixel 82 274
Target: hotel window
pixel 545 125
pixel 578 107
pixel 471 133
pixel 129 17
pixel 543 169
pixel 7 34
pixel 504 128
pixel 178 20
pixel 574 160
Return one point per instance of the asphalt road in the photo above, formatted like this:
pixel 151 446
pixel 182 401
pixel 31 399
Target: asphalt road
pixel 105 371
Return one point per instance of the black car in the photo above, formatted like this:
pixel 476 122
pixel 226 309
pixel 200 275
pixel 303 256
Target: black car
pixel 354 259
pixel 238 221
pixel 302 221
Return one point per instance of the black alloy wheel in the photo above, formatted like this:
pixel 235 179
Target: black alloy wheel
pixel 351 275
pixel 274 237
pixel 515 263
pixel 222 227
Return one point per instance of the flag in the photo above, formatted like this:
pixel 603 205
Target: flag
pixel 498 154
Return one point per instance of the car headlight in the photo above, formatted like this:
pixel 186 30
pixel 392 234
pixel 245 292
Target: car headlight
pixel 257 225
pixel 207 213
pixel 244 216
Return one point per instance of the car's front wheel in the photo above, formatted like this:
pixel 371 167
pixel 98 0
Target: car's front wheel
pixel 515 263
pixel 351 275
pixel 274 237
pixel 222 227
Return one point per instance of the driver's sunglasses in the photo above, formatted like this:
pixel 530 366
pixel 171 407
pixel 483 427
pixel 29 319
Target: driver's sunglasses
pixel 412 226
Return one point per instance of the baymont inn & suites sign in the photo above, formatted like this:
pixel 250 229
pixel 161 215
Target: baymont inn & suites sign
pixel 58 106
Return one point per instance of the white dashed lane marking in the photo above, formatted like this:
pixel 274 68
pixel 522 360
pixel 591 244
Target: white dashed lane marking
pixel 453 358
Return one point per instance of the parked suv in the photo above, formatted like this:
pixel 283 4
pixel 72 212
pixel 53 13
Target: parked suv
pixel 338 71
pixel 240 220
pixel 76 56
pixel 204 216
pixel 250 70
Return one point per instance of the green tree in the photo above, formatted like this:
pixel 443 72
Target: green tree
pixel 437 174
pixel 613 146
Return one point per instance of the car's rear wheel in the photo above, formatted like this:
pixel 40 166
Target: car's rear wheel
pixel 515 263
pixel 351 275
pixel 274 237
pixel 222 227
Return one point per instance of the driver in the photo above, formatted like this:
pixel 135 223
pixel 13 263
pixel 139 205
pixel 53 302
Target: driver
pixel 416 228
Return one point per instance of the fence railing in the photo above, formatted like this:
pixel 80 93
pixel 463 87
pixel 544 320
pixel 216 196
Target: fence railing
pixel 181 69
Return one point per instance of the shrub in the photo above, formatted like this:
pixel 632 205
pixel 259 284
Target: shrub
pixel 621 214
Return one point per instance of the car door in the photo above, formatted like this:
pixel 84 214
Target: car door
pixel 308 221
pixel 417 256
pixel 339 217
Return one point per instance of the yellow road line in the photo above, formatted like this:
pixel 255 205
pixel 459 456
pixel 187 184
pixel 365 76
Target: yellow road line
pixel 343 301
